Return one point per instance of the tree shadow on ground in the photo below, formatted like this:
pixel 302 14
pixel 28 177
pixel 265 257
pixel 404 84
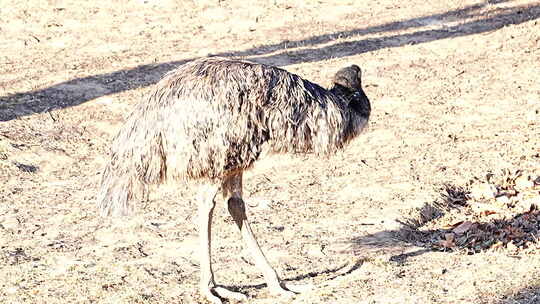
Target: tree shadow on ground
pixel 470 20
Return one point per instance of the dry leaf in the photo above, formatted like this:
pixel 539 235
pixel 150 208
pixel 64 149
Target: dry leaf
pixel 448 242
pixel 487 212
pixel 484 190
pixel 523 183
pixel 454 225
pixel 498 245
pixel 463 227
pixel 510 246
pixel 514 232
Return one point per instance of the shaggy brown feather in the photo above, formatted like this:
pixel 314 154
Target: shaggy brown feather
pixel 212 116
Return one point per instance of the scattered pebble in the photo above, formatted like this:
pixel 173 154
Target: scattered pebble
pixel 503 199
pixel 483 191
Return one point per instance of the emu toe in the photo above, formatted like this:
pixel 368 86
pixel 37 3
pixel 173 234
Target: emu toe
pixel 210 294
pixel 299 288
pixel 289 290
pixel 281 290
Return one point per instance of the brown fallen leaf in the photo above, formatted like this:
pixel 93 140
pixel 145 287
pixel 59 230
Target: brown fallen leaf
pixel 448 241
pixel 514 233
pixel 463 227
pixel 483 191
pixel 452 226
pixel 498 245
pixel 487 212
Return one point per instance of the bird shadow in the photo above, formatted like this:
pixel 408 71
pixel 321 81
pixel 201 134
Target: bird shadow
pixel 471 20
pixel 331 274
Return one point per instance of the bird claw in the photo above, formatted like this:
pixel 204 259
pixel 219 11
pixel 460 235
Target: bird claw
pixel 221 292
pixel 289 290
pixel 229 294
pixel 298 288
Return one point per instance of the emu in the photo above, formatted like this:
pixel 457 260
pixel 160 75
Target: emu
pixel 208 121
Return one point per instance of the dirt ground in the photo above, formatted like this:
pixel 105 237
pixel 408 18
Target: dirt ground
pixel 435 203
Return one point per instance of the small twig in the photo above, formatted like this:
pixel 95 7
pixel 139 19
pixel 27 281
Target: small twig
pixel 365 163
pixel 140 249
pixel 38 228
pixel 52 117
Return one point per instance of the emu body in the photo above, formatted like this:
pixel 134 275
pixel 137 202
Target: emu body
pixel 209 120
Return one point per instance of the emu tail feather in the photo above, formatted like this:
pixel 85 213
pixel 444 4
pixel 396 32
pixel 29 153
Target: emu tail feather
pixel 119 192
pixel 137 161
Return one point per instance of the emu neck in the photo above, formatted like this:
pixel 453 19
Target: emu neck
pixel 356 99
pixel 343 92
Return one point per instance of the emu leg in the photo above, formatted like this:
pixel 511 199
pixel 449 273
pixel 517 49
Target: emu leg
pixel 232 192
pixel 208 287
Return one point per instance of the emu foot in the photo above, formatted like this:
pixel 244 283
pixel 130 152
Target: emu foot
pixel 298 288
pixel 288 290
pixel 210 294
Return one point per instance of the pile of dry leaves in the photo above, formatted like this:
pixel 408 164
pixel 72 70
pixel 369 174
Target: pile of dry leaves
pixel 498 213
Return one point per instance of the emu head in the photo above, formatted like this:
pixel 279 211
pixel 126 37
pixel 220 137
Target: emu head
pixel 348 84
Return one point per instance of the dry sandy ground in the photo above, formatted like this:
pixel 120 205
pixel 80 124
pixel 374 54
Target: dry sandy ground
pixel 455 88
